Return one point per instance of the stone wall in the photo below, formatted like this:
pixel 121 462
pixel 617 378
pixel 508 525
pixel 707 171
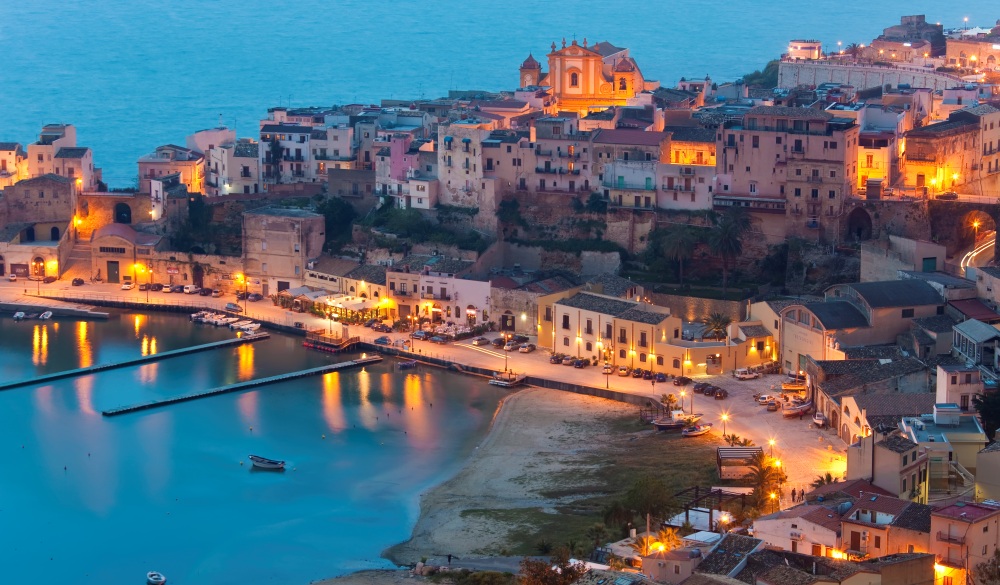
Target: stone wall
pixel 522 304
pixel 98 210
pixel 693 309
pixel 792 74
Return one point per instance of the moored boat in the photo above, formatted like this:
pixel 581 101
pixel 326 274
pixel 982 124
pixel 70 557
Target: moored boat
pixel 197 316
pixel 697 430
pixel 265 463
pixel 227 320
pixel 239 324
pixel 407 365
pixel 667 423
pixel 155 578
pixel 19 316
pixel 45 316
pixel 507 379
pixel 251 327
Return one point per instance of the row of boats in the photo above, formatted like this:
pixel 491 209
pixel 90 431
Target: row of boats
pixel 220 319
pixel 687 424
pixel 21 316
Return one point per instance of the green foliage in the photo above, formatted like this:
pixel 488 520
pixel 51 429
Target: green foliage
pixel 556 571
pixel 617 514
pixel 597 203
pixel 988 407
pixel 822 480
pixel 597 534
pixel 649 495
pixel 768 78
pixel 766 478
pixel 276 153
pixel 543 547
pixel 338 215
pixel 988 571
pixel 726 239
pixel 509 212
pixel 717 325
pixel 668 400
pixel 679 246
pixel 775 264
pixel 577 205
pixel 411 224
pixel 735 440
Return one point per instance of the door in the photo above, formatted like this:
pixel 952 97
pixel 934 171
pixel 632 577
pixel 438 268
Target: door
pixel 198 276
pixel 113 271
pixel 1 266
pixel 855 541
pixel 929 265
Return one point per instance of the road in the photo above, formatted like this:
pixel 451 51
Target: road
pixel 981 253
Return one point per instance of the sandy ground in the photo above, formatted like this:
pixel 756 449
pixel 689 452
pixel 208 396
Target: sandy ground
pixel 373 578
pixel 537 434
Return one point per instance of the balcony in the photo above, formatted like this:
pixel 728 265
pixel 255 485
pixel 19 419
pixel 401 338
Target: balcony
pixel 245 174
pixel 629 186
pixel 814 179
pixel 950 538
pixel 921 156
pixel 679 188
pixel 562 154
pixel 622 340
pixel 298 173
pixel 540 152
pixel 688 172
pixel 545 170
pixel 435 297
pixel 951 563
pixel 294 157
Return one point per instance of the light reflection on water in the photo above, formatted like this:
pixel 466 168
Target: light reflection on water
pixel 82 480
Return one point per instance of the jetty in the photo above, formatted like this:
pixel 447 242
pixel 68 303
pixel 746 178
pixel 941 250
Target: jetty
pixel 239 386
pixel 40 380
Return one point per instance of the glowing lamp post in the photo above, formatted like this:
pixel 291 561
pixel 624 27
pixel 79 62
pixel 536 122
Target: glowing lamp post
pixel 725 419
pixel 683 396
pixel 774 502
pixel 770 443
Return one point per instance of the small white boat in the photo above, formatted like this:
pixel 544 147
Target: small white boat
pixel 251 327
pixel 697 430
pixel 507 379
pixel 198 315
pixel 227 320
pixel 45 316
pixel 155 578
pixel 19 316
pixel 239 324
pixel 265 463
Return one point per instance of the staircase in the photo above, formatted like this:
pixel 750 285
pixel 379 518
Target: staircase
pixel 78 262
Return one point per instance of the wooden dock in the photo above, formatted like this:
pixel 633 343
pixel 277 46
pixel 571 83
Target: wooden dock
pixel 243 385
pixel 40 380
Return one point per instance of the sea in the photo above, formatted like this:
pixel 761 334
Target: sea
pixel 89 499
pixel 136 74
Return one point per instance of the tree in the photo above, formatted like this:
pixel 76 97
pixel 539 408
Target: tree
pixel 679 246
pixel 766 79
pixel 735 440
pixel 668 538
pixel 668 400
pixel 822 480
pixel 988 572
pixel 766 478
pixel 642 545
pixel 338 215
pixel 854 50
pixel 726 239
pixel 988 407
pixel 615 562
pixel 556 571
pixel 717 325
pixel 617 514
pixel 277 152
pixel 597 533
pixel 649 495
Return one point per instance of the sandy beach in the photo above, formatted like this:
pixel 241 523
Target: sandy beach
pixel 539 443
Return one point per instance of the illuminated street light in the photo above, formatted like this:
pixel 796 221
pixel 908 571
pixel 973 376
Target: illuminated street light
pixel 725 419
pixel 770 443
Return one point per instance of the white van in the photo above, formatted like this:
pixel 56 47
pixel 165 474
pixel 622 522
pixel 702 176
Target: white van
pixel 190 289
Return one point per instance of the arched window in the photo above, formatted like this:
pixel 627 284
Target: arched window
pixel 621 353
pixel 574 80
pixel 123 213
pixel 566 341
pixel 677 363
pixel 622 84
pixel 352 289
pixel 659 360
pixel 642 357
pixel 375 294
pixel 590 346
pixel 54 232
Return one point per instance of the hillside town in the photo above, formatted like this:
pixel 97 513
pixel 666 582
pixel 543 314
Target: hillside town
pixel 824 238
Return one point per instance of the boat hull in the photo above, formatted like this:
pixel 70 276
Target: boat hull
pixel 797 410
pixel 697 431
pixel 265 463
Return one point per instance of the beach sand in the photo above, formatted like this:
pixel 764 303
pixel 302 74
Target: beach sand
pixel 537 443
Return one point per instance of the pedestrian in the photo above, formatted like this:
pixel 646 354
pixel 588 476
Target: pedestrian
pixel 793 494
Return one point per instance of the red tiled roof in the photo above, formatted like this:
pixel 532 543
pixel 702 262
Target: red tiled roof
pixel 975 309
pixel 966 511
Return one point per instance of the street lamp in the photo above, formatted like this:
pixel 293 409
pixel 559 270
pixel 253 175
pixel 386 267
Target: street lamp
pixel 725 419
pixel 774 502
pixel 770 443
pixel 683 395
pixel 975 224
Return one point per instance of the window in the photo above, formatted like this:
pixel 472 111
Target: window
pixel 907 313
pixel 565 321
pixel 878 541
pixel 296 247
pixel 109 250
pixel 589 330
pixel 755 141
pixel 642 357
pixel 574 80
pixel 590 346
pixel 621 353
pixel 904 463
pixel 659 360
pixel 798 192
pixel 832 194
pixel 607 330
pixel 777 139
pixel 833 146
pixel 677 569
pixel 676 363
pixel 833 174
pixel 548 314
pixel 814 193
pixel 642 339
pixel 566 341
pixel 946 580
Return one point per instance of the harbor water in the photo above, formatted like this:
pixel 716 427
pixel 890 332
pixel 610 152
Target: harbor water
pixel 105 500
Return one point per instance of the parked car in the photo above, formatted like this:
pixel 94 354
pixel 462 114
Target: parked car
pixel 948 196
pixel 384 340
pixel 78 282
pixel 241 296
pixel 510 346
pixel 498 342
pixel 660 377
pixel 745 374
pixel 418 334
pixel 682 381
pixel 143 286
pixel 556 358
pixel 156 286
pixel 127 286
pixel 519 339
pixel 711 390
pixel 233 307
pixel 190 289
pixel 299 325
pixel 608 369
pixel 721 394
pixel 177 288
pixel 205 292
pixel 568 360
pixel 439 339
pixel 480 341
pixel 404 343
pixel 765 398
pixel 254 297
pixel 526 348
pixel 699 387
pixel 381 328
pixel 216 293
pixel 637 373
pixel 623 371
pixel 49 279
pixel 647 375
pixel 772 406
pixel 12 277
pixel 370 322
pixel 581 363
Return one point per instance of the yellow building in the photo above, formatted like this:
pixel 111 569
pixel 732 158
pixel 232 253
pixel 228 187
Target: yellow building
pixel 586 78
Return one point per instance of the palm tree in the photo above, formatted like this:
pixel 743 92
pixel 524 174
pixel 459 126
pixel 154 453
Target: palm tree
pixel 822 480
pixel 642 545
pixel 717 325
pixel 679 246
pixel 597 533
pixel 726 240
pixel 616 514
pixel 669 538
pixel 735 440
pixel 854 50
pixel 766 478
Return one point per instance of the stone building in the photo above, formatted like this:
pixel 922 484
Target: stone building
pixel 278 244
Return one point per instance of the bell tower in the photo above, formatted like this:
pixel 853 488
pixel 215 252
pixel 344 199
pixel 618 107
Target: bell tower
pixel 530 72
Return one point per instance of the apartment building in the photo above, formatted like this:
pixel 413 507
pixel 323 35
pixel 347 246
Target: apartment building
pixel 56 152
pixel 958 384
pixel 13 163
pixel 789 162
pixel 951 440
pixel 893 463
pixel 963 535
pixel 948 155
pixel 878 525
pixel 686 179
pixel 285 153
pixel 169 159
pixel 406 171
pixel 233 167
pixel 438 289
pixel 278 244
pixel 561 158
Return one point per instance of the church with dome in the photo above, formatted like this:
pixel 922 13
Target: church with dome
pixel 586 78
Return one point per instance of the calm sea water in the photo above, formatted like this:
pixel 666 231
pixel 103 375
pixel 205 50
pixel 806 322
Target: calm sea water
pixel 87 499
pixel 134 74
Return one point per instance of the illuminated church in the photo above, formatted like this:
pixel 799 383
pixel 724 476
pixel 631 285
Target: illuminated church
pixel 586 79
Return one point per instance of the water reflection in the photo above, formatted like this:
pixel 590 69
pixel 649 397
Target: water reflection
pixel 244 368
pixel 40 345
pixel 148 345
pixel 83 345
pixel 246 404
pixel 418 419
pixel 84 386
pixel 333 407
pixel 366 410
pixel 148 373
pixel 138 321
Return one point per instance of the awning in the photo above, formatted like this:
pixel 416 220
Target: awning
pixel 466 140
pixel 448 138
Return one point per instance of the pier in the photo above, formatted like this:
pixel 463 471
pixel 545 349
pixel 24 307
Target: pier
pixel 39 380
pixel 243 385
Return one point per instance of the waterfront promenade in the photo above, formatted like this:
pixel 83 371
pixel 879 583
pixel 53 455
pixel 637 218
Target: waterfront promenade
pixel 804 450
